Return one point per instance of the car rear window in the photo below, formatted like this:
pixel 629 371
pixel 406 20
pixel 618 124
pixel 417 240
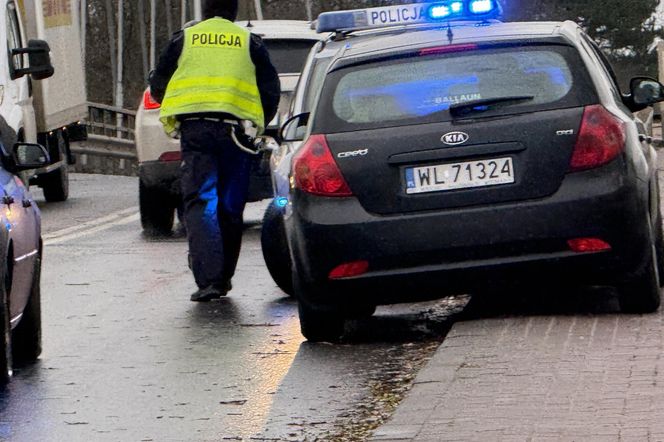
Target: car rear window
pixel 288 55
pixel 411 89
pixel 315 81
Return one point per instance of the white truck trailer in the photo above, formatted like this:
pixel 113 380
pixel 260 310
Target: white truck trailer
pixel 59 103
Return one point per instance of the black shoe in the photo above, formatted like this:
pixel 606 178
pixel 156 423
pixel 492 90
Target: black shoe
pixel 208 293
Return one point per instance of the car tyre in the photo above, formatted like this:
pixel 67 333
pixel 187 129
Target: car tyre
pixel 275 249
pixel 320 325
pixel 157 210
pixel 642 293
pixel 27 336
pixel 55 184
pixel 5 328
pixel 659 245
pixel 317 324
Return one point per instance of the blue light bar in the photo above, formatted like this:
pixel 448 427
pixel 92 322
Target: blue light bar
pixel 433 12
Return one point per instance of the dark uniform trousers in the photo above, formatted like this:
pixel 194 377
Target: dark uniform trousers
pixel 215 182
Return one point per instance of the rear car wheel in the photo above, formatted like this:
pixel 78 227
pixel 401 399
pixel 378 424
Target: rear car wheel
pixel 5 330
pixel 275 249
pixel 26 337
pixel 55 184
pixel 157 210
pixel 641 294
pixel 659 246
pixel 317 324
pixel 320 325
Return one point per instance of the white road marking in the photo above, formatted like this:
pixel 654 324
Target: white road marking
pixel 119 218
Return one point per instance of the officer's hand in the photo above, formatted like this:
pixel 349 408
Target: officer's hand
pixel 266 143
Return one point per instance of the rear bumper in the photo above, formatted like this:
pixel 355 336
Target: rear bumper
pixel 161 175
pixel 151 140
pixel 427 255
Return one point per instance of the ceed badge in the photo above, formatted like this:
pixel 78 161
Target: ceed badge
pixel 454 138
pixel 355 153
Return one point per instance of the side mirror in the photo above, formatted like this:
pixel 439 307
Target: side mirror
pixel 39 60
pixel 295 127
pixel 29 156
pixel 645 92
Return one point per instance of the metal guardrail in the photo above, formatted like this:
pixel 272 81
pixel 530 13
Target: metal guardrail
pixel 110 132
pixel 110 147
pixel 110 121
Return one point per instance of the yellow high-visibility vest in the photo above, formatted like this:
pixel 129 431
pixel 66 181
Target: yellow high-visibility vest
pixel 215 74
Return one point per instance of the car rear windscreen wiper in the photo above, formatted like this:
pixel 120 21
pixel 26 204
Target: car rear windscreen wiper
pixel 485 104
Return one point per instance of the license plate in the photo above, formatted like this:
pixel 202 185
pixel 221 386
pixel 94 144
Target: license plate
pixel 440 177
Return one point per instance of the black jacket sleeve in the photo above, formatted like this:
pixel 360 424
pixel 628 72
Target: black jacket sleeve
pixel 266 78
pixel 166 67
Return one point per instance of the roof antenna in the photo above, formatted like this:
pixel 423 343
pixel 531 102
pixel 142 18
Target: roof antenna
pixel 249 24
pixel 450 34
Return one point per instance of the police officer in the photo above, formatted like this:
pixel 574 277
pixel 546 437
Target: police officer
pixel 212 76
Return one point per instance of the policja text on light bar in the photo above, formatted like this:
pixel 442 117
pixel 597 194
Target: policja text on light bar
pixel 414 13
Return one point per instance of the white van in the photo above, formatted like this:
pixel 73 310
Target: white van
pixel 53 109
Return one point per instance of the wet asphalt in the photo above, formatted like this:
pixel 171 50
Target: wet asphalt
pixel 127 356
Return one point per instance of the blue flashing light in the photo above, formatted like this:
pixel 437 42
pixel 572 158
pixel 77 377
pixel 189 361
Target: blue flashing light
pixel 437 12
pixel 414 13
pixel 481 6
pixel 456 7
pixel 281 202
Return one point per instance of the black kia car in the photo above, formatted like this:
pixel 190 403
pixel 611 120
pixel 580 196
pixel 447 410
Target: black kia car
pixel 449 159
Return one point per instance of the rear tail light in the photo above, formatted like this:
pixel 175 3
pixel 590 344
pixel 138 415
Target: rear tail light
pixel 588 245
pixel 316 172
pixel 601 139
pixel 173 155
pixel 349 269
pixel 148 102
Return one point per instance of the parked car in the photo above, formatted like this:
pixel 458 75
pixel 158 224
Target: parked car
pixel 273 236
pixel 432 166
pixel 288 42
pixel 20 258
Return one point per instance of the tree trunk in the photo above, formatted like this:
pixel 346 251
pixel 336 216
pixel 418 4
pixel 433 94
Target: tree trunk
pixel 112 46
pixel 143 37
pixel 119 91
pixel 258 9
pixel 169 16
pixel 83 28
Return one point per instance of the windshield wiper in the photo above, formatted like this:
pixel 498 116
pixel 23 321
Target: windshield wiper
pixel 485 104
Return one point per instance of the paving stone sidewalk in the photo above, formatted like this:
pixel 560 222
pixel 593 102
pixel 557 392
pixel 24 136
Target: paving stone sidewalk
pixel 577 378
pixel 584 374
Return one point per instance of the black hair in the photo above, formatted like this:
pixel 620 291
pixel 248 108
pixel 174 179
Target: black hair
pixel 220 8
